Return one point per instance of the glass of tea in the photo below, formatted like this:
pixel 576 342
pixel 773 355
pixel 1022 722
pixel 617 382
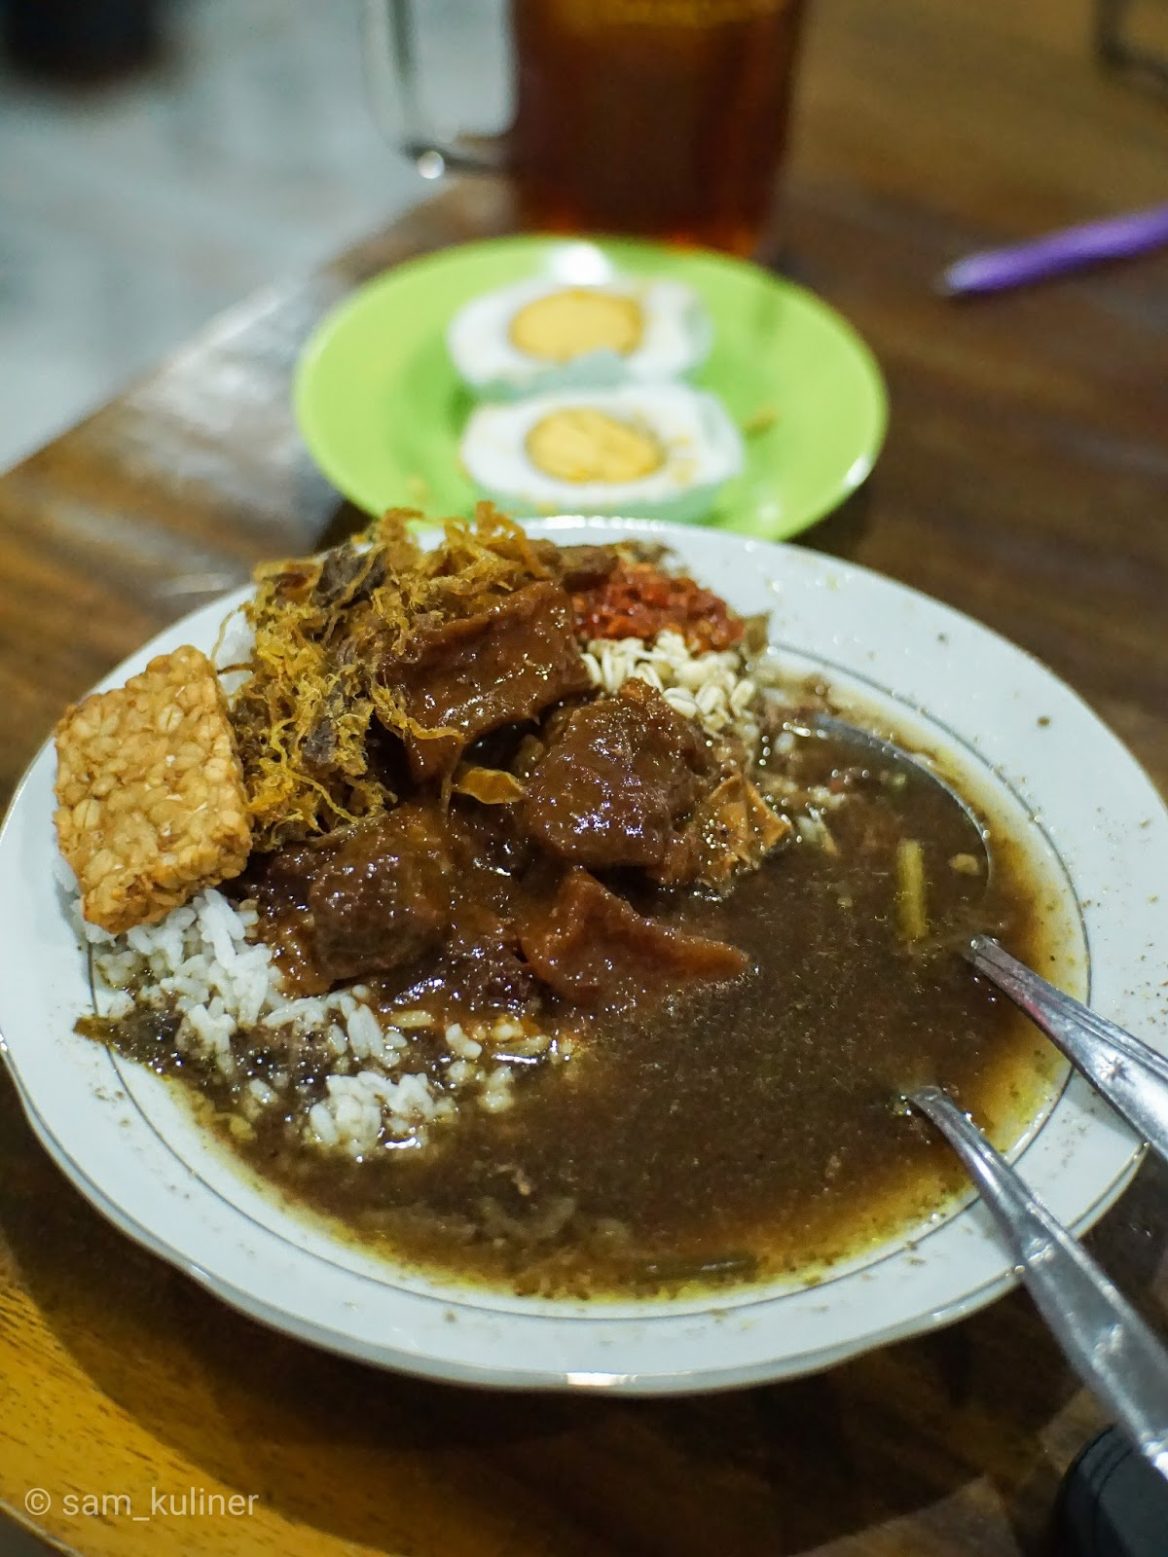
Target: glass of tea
pixel 665 118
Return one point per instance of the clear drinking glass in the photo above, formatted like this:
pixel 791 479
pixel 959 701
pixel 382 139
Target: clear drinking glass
pixel 666 118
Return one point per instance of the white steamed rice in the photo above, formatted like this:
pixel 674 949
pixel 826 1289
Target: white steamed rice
pixel 228 993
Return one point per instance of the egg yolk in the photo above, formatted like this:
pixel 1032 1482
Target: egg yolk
pixel 566 325
pixel 586 445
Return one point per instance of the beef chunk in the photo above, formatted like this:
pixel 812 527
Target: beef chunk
pixel 732 829
pixel 501 666
pixel 594 949
pixel 382 897
pixel 398 896
pixel 577 567
pixel 279 883
pixel 617 779
pixel 483 971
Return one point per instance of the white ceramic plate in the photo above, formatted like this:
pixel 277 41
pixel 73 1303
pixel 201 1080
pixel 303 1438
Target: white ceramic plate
pixel 1100 835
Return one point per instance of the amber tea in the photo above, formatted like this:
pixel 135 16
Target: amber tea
pixel 661 117
pixel 665 118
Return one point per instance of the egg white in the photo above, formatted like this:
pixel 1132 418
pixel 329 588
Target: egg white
pixel 675 339
pixel 702 446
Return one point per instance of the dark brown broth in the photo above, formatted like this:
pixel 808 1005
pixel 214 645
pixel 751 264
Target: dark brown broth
pixel 741 1132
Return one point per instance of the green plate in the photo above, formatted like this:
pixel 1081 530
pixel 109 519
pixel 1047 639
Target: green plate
pixel 381 409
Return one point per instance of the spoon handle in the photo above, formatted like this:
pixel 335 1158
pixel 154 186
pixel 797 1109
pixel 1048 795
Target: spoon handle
pixel 1130 1075
pixel 1103 1338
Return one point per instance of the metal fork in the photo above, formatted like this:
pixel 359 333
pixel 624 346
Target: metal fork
pixel 1109 1346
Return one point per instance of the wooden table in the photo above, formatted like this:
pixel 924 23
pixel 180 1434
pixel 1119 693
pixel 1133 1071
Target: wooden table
pixel 1025 481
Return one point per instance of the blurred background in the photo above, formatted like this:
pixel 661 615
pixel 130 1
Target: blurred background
pixel 159 159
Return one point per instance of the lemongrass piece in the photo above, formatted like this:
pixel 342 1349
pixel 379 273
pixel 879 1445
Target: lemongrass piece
pixel 910 895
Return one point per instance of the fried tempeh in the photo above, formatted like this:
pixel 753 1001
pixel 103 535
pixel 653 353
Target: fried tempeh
pixel 151 805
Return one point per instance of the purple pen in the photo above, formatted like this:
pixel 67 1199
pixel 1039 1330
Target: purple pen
pixel 1093 243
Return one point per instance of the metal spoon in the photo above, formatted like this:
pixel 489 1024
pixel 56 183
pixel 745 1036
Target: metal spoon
pixel 1109 1346
pixel 1132 1076
pixel 873 752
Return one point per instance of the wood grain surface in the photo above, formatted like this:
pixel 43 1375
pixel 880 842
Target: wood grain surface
pixel 1025 481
